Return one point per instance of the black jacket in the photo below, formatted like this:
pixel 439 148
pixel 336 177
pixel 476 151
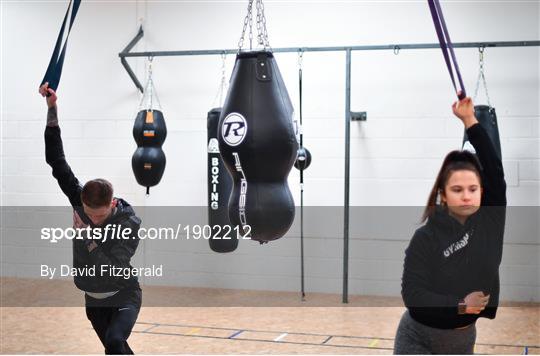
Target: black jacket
pixel 112 252
pixel 445 260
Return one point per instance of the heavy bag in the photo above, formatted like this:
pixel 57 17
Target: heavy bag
pixel 487 117
pixel 148 161
pixel 303 159
pixel 223 237
pixel 258 145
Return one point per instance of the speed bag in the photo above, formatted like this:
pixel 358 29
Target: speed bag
pixel 224 238
pixel 303 159
pixel 148 161
pixel 258 145
pixel 487 118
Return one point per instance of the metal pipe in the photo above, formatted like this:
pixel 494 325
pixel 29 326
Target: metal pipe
pixel 334 49
pixel 345 298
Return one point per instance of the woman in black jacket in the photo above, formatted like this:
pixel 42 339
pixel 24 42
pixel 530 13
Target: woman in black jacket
pixel 451 269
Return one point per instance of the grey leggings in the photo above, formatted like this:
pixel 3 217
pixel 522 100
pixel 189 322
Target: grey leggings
pixel 415 338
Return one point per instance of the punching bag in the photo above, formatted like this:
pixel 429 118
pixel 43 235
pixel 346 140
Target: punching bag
pixel 148 161
pixel 223 238
pixel 487 118
pixel 258 144
pixel 303 159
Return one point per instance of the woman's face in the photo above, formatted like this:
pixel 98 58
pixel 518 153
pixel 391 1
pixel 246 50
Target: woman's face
pixel 462 194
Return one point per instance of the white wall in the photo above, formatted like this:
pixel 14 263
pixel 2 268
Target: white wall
pixel 394 155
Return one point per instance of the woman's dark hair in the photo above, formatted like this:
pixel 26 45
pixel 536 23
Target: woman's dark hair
pixel 97 193
pixel 454 161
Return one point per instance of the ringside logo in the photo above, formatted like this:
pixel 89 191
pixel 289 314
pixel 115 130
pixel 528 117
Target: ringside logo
pixel 213 146
pixel 234 129
pixel 243 192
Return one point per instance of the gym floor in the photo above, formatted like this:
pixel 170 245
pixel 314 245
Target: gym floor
pixel 366 325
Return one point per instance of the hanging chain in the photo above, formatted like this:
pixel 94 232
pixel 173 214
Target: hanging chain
pixel 223 83
pixel 150 84
pixel 247 20
pixel 262 32
pixel 251 28
pixel 223 80
pixel 149 90
pixel 260 23
pixel 481 76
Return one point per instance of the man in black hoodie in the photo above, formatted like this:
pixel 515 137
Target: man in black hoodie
pixel 113 299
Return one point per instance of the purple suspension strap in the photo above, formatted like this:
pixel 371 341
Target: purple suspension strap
pixel 446 44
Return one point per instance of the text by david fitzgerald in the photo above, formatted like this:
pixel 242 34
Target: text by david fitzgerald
pixel 101 271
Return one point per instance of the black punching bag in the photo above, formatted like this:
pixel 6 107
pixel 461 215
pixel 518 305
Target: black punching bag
pixel 487 118
pixel 148 161
pixel 258 145
pixel 224 238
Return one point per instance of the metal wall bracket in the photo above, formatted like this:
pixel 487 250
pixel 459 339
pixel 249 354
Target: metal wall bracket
pixel 124 62
pixel 358 116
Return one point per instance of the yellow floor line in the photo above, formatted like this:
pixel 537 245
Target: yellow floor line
pixel 193 331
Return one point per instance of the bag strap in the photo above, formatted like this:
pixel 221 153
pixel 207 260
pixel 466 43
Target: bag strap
pixel 54 70
pixel 446 45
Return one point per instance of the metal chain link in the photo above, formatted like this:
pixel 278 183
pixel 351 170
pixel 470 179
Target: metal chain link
pixel 260 23
pixel 481 76
pixel 251 29
pixel 223 79
pixel 223 83
pixel 262 26
pixel 260 40
pixel 149 90
pixel 150 84
pixel 247 20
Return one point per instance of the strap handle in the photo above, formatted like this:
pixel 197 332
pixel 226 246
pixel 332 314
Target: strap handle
pixel 446 45
pixel 54 70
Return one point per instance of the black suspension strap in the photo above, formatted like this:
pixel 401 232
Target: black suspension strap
pixel 300 58
pixel 446 45
pixel 54 70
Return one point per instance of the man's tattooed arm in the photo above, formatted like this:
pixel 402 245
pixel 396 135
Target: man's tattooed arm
pixel 52 117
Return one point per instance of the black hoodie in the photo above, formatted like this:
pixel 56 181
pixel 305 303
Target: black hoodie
pixel 445 261
pixel 112 252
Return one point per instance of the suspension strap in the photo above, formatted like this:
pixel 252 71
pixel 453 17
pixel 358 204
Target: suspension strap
pixel 446 45
pixel 54 70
